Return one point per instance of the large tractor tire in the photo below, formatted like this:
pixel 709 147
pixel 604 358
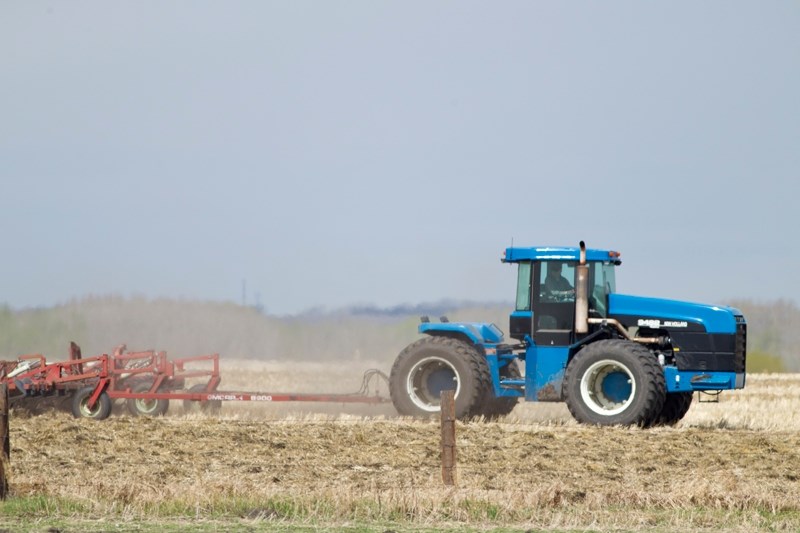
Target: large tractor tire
pixel 493 407
pixel 80 404
pixel 431 365
pixel 676 405
pixel 615 382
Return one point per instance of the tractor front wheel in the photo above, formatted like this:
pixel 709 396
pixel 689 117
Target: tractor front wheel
pixel 434 364
pixel 615 382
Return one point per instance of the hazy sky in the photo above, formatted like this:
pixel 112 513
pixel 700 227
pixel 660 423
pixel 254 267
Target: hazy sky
pixel 363 152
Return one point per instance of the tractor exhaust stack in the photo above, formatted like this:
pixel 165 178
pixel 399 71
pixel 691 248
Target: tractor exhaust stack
pixel 582 294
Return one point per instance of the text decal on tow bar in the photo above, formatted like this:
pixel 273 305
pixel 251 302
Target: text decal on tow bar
pixel 240 397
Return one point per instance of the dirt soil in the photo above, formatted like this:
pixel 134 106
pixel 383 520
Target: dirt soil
pixel 520 470
pixel 141 459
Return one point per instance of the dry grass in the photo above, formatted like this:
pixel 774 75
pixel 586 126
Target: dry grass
pixel 733 465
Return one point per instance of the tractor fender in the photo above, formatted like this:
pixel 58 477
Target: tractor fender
pixel 478 333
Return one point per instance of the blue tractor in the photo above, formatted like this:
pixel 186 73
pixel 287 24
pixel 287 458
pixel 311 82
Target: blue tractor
pixel 614 359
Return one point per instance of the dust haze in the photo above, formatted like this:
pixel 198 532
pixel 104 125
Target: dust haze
pixel 317 351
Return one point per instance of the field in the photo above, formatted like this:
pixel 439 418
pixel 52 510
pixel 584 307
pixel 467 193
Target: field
pixel 731 465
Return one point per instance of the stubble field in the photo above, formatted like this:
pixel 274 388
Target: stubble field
pixel 733 465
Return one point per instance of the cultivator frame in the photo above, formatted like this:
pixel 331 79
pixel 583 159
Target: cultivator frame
pixel 147 381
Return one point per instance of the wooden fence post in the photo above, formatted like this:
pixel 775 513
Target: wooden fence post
pixel 448 405
pixel 5 442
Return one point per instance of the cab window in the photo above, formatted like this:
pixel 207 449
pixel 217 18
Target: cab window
pixel 524 287
pixel 557 281
pixel 603 283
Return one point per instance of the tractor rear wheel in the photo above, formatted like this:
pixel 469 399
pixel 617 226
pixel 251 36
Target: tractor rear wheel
pixel 80 404
pixel 494 407
pixel 431 365
pixel 144 406
pixel 676 405
pixel 615 382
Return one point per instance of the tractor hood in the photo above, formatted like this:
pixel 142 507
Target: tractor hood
pixel 673 313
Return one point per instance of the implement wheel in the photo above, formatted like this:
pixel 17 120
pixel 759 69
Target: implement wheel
pixel 431 365
pixel 211 407
pixel 615 382
pixel 144 406
pixel 80 404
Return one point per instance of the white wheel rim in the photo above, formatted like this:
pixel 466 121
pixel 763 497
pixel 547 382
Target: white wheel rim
pixel 146 406
pixel 90 413
pixel 419 381
pixel 594 384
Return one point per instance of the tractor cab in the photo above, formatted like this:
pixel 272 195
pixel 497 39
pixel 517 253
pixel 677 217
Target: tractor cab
pixel 547 279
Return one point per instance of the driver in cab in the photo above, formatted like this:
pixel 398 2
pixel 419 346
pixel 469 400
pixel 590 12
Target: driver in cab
pixel 556 286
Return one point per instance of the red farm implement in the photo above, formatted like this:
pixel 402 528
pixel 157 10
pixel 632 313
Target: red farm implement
pixel 146 381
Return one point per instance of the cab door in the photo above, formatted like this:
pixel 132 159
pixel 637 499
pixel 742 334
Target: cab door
pixel 553 310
